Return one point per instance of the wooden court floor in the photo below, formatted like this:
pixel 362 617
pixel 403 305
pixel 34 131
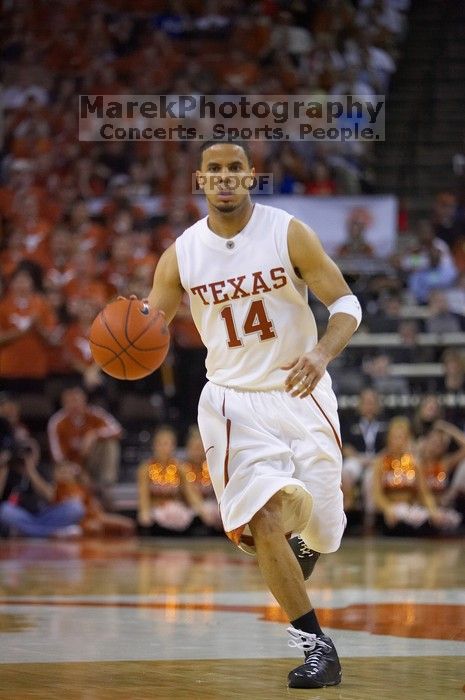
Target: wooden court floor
pixel 139 619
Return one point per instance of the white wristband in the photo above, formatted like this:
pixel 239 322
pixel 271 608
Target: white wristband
pixel 348 304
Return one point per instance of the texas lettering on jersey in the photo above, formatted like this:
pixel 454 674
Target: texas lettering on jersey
pixel 258 282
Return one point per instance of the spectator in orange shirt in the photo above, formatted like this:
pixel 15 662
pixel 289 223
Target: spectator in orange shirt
pixel 92 236
pixel 87 435
pixel 26 321
pixel 71 483
pixel 34 227
pixel 15 253
pixel 75 344
pixel 59 271
pixel 86 283
pixel 117 269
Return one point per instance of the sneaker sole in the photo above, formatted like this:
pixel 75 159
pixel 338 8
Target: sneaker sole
pixel 303 685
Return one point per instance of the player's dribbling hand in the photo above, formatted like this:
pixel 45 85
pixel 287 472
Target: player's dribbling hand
pixel 306 372
pixel 145 302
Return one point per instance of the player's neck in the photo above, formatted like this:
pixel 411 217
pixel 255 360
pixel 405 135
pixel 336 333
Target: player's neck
pixel 228 224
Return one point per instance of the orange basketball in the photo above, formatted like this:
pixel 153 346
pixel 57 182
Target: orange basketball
pixel 129 340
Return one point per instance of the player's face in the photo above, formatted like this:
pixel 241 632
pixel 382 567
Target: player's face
pixel 225 176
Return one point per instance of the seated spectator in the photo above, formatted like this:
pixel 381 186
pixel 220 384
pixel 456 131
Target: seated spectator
pixel 362 438
pixel 70 482
pixel 117 269
pixel 87 435
pixel 26 321
pixel 289 168
pixel 201 497
pixel 456 298
pixel 440 319
pixel 87 282
pixel 386 315
pixel 350 83
pixel 378 65
pixel 162 484
pixel 378 369
pixel 428 412
pixel 24 493
pixel 295 40
pixel 321 182
pixel 400 490
pixel 14 253
pixel 410 351
pixel 92 236
pixel 376 16
pixel 425 241
pixel 58 271
pixel 446 220
pixel 437 463
pixel 453 381
pixel 439 273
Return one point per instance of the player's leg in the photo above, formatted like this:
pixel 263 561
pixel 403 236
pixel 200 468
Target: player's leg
pixel 318 464
pixel 278 566
pixel 284 578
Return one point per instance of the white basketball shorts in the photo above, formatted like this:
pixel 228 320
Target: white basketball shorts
pixel 260 442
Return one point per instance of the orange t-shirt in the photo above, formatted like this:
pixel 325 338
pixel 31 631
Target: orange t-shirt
pixel 25 357
pixel 76 345
pixel 88 289
pixel 65 490
pixel 65 432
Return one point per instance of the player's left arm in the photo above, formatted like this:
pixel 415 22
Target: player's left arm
pixel 325 280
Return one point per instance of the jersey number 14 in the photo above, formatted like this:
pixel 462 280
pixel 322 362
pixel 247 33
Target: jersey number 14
pixel 256 321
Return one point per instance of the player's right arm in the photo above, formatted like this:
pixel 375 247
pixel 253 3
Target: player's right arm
pixel 167 290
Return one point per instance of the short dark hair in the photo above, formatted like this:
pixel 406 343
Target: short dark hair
pixel 213 142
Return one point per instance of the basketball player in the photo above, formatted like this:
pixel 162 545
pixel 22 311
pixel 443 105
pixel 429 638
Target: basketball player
pixel 268 415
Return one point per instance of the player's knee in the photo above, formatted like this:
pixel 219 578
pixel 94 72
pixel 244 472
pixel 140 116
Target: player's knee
pixel 267 522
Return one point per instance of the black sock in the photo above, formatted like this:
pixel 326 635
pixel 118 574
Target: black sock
pixel 308 623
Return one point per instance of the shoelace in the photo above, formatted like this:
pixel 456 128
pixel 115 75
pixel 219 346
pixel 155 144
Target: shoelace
pixel 305 551
pixel 312 646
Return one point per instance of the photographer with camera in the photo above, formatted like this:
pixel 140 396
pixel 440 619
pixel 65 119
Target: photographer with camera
pixel 25 494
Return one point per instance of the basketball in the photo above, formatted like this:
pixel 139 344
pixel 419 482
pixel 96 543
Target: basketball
pixel 129 340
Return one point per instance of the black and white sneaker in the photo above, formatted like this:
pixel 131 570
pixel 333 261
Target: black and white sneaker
pixel 306 557
pixel 321 666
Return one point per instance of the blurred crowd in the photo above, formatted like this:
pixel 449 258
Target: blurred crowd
pixel 408 472
pixel 82 222
pixel 147 47
pixel 68 494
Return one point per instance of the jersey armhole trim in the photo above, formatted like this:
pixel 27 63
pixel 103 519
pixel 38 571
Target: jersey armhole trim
pixel 178 247
pixel 287 258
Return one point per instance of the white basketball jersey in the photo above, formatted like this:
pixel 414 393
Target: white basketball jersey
pixel 246 300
